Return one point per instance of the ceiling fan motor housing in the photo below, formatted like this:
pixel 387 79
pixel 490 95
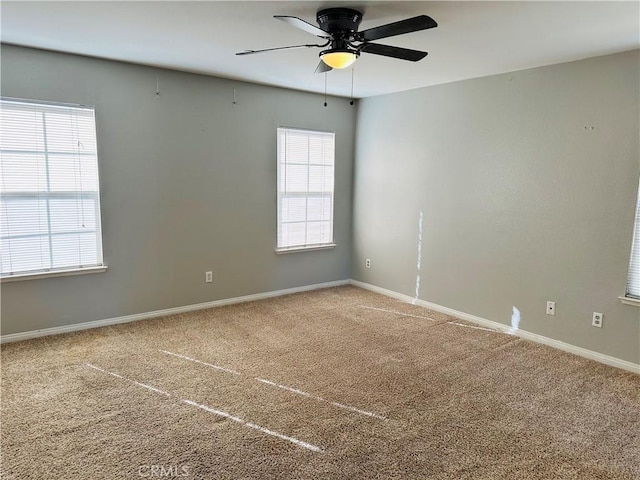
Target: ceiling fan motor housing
pixel 339 20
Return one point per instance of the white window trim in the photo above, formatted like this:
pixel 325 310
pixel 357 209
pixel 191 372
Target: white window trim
pixel 54 273
pixel 102 267
pixel 634 302
pixel 629 298
pixel 309 247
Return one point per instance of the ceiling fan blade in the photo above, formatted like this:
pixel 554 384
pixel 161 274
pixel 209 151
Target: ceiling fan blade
pixel 302 25
pixel 414 24
pixel 251 52
pixel 395 52
pixel 323 68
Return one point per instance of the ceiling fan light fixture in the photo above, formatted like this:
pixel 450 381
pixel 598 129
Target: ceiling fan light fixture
pixel 338 58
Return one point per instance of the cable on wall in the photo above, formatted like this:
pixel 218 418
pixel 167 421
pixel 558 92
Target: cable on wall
pixel 353 68
pixel 325 89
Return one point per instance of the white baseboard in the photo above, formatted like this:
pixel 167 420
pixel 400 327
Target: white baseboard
pixel 15 337
pixel 583 352
pixel 534 337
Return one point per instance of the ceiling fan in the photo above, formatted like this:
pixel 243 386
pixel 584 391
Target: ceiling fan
pixel 338 27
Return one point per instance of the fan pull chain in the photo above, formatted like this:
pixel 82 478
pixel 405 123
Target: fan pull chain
pixel 325 89
pixel 353 68
pixel 157 87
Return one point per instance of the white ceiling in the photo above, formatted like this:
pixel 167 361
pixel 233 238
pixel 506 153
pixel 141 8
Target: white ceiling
pixel 473 39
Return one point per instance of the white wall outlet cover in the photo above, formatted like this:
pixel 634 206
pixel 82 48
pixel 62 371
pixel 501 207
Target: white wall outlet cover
pixel 597 319
pixel 551 308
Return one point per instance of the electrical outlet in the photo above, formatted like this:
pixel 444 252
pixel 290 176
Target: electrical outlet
pixel 208 277
pixel 367 263
pixel 597 320
pixel 551 308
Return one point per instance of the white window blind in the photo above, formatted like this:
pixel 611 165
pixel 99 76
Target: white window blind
pixel 305 188
pixel 633 282
pixel 49 189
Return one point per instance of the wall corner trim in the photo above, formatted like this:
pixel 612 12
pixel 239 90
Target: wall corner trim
pixel 16 337
pixel 534 337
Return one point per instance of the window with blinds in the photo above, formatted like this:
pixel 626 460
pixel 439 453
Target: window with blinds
pixel 49 189
pixel 633 282
pixel 305 189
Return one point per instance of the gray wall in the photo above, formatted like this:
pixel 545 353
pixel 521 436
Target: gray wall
pixel 527 184
pixel 188 184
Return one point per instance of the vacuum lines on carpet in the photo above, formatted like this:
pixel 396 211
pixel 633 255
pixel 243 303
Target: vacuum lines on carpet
pixel 432 319
pixel 215 411
pixel 283 387
pixel 234 418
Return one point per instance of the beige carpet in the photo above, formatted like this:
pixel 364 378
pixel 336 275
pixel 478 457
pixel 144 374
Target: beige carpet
pixel 334 384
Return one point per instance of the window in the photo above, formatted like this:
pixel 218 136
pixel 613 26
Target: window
pixel 305 189
pixel 49 189
pixel 633 282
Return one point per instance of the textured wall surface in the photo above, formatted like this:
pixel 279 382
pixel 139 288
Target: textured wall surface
pixel 526 184
pixel 494 193
pixel 188 184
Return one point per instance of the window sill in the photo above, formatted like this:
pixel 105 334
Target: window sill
pixel 630 301
pixel 310 248
pixel 58 273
